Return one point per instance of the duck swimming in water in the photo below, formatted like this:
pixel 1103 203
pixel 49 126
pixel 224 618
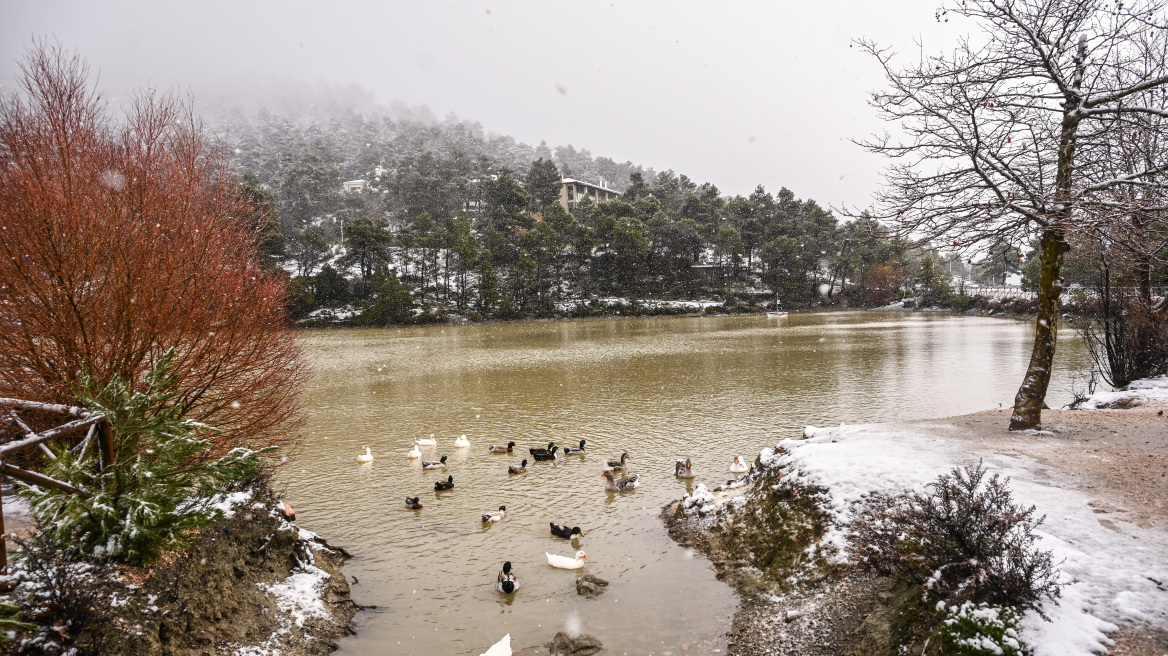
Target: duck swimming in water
pixel 365 457
pixel 461 441
pixel 501 648
pixel 499 448
pixel 427 441
pixel 521 468
pixel 563 562
pixel 545 454
pixel 414 452
pixel 739 465
pixel 441 486
pixel 441 464
pixel 622 464
pixel 620 484
pixel 495 516
pixel 507 582
pixel 536 452
pixel 564 531
pixel 413 503
pixel 570 451
pixel 683 469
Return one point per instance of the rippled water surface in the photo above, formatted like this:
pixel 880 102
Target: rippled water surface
pixel 661 389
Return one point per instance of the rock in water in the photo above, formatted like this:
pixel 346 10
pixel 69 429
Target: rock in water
pixel 590 586
pixel 581 645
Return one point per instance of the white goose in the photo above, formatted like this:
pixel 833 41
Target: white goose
pixel 739 465
pixel 563 562
pixel 414 452
pixel 461 441
pixel 365 457
pixel 427 441
pixel 501 648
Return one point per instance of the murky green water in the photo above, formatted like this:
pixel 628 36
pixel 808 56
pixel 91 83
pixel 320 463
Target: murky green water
pixel 661 389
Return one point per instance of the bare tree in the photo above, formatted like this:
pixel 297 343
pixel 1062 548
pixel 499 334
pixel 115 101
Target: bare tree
pixel 988 136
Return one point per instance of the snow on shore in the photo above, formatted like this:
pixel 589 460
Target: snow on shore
pixel 1115 574
pixel 1139 392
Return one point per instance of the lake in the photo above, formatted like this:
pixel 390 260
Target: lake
pixel 659 388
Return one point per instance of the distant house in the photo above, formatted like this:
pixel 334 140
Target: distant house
pixel 574 191
pixel 355 185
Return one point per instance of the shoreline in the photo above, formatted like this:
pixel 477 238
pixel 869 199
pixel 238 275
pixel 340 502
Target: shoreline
pixel 1116 460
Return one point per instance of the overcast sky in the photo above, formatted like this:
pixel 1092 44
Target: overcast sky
pixel 734 93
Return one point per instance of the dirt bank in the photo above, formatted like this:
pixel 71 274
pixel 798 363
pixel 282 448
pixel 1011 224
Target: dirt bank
pixel 794 601
pixel 253 584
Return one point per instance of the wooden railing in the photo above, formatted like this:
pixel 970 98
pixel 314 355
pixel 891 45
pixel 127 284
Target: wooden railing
pixel 98 429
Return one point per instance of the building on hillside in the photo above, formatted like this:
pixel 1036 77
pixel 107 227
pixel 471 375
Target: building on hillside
pixel 574 191
pixel 355 185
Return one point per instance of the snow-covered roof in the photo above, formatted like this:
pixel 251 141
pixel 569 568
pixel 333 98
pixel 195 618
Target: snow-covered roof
pixel 589 184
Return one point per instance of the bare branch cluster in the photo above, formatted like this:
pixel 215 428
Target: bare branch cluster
pixel 1016 128
pixel 122 240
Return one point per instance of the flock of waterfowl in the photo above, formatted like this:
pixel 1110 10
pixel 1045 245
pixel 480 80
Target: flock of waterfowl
pixel 507 582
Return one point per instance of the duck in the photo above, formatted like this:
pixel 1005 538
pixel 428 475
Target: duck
pixel 427 441
pixel 507 582
pixel 441 486
pixel 521 468
pixel 683 469
pixel 495 516
pixel 547 451
pixel 542 456
pixel 365 457
pixel 499 448
pixel 413 503
pixel 563 562
pixel 441 464
pixel 622 464
pixel 620 484
pixel 414 452
pixel 565 532
pixel 501 648
pixel 739 465
pixel 571 451
pixel 461 442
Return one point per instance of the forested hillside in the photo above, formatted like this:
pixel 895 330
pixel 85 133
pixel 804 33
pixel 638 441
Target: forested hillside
pixel 453 220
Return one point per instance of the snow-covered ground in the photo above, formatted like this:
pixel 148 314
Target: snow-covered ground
pixel 1116 572
pixel 1140 392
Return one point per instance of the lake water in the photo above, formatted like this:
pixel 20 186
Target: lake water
pixel 661 389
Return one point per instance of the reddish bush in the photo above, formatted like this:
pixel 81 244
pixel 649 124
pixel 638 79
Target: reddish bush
pixel 119 241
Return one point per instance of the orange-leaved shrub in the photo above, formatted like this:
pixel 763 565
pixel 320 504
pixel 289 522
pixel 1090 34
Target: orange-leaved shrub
pixel 121 240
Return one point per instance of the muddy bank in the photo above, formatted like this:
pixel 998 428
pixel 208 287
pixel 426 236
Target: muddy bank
pixel 252 584
pixel 797 596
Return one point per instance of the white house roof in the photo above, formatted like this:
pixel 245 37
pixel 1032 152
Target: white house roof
pixel 589 184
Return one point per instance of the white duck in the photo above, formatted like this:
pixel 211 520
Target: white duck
pixel 365 457
pixel 563 562
pixel 739 465
pixel 427 441
pixel 414 452
pixel 461 441
pixel 501 648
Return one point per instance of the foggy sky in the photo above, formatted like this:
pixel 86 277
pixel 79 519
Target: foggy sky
pixel 734 93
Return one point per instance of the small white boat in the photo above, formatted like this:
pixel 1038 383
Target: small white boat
pixel 776 315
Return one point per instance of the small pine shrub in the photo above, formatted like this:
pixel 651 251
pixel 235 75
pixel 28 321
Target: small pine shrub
pixel 981 630
pixel 162 483
pixel 964 539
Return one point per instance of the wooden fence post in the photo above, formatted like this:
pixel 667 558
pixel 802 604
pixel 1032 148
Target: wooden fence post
pixel 3 543
pixel 105 443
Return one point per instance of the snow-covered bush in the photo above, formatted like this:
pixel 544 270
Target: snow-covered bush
pixel 161 484
pixel 963 539
pixel 981 630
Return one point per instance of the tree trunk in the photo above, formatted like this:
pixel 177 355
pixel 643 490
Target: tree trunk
pixel 1031 395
